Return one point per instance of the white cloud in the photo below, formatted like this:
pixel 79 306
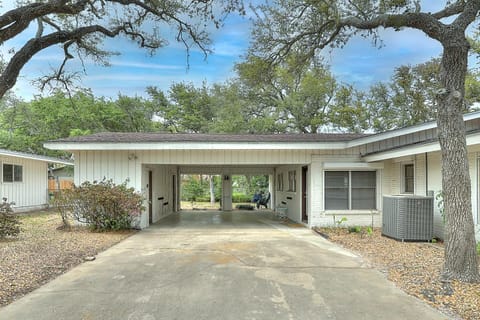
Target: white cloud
pixel 143 65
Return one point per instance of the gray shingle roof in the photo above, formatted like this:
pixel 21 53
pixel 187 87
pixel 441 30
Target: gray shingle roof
pixel 124 137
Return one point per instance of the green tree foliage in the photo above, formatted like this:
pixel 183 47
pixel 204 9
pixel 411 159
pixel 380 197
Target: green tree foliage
pixel 193 188
pixel 188 109
pixel 130 114
pixel 297 96
pixel 25 126
pixel 349 114
pixel 231 110
pixel 412 96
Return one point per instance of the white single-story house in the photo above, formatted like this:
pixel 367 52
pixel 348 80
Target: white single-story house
pixel 25 179
pixel 318 178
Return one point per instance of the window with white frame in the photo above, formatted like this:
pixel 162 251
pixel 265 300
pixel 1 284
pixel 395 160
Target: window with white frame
pixel 408 178
pixel 350 190
pixel 12 173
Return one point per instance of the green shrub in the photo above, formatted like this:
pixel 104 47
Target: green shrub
pixel 192 190
pixel 241 197
pixel 339 223
pixel 102 205
pixel 9 223
pixel 355 229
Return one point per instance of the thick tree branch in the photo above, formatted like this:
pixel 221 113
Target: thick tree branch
pixel 77 22
pixel 17 20
pixel 35 45
pixel 449 11
pixel 469 14
pixel 421 21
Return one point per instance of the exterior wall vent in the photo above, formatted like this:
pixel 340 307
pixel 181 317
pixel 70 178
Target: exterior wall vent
pixel 408 218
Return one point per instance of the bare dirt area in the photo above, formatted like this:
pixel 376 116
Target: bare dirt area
pixel 414 267
pixel 43 250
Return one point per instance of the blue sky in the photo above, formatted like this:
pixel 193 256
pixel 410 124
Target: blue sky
pixel 358 63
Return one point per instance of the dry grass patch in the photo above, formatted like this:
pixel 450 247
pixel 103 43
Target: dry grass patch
pixel 43 251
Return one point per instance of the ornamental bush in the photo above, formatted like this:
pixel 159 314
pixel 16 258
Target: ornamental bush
pixel 102 205
pixel 9 223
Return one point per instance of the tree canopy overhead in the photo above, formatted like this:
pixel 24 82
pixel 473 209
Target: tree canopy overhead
pixel 79 27
pixel 307 27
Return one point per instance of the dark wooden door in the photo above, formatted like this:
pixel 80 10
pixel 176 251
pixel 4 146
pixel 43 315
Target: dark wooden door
pixel 150 196
pixel 304 194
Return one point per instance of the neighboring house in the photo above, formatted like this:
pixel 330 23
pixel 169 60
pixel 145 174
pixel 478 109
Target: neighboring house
pixel 25 179
pixel 316 178
pixel 60 178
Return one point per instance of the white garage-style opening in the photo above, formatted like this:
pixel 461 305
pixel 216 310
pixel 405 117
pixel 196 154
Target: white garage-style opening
pixel 153 163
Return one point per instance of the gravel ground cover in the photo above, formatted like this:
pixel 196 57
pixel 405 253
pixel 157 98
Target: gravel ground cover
pixel 414 267
pixel 43 251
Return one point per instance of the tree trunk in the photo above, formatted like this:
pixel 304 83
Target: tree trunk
pixel 460 247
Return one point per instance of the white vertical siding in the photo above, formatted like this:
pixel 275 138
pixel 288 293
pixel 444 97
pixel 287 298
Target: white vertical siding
pixel 32 192
pixel 389 179
pixel 420 175
pixel 396 176
pixel 224 157
pixel 435 185
pixel 315 193
pixel 115 165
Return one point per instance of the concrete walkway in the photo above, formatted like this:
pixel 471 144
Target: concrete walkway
pixel 214 265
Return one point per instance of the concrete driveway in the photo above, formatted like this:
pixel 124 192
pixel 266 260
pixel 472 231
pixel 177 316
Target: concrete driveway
pixel 214 265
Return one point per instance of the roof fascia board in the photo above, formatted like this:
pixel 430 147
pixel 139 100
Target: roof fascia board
pixel 404 131
pixel 35 157
pixel 197 146
pixel 390 134
pixel 472 139
pixel 402 152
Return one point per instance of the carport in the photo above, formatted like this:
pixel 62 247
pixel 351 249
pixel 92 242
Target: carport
pixel 153 162
pixel 161 185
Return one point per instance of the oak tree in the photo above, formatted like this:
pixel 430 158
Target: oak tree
pixel 302 96
pixel 309 26
pixel 411 96
pixel 79 28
